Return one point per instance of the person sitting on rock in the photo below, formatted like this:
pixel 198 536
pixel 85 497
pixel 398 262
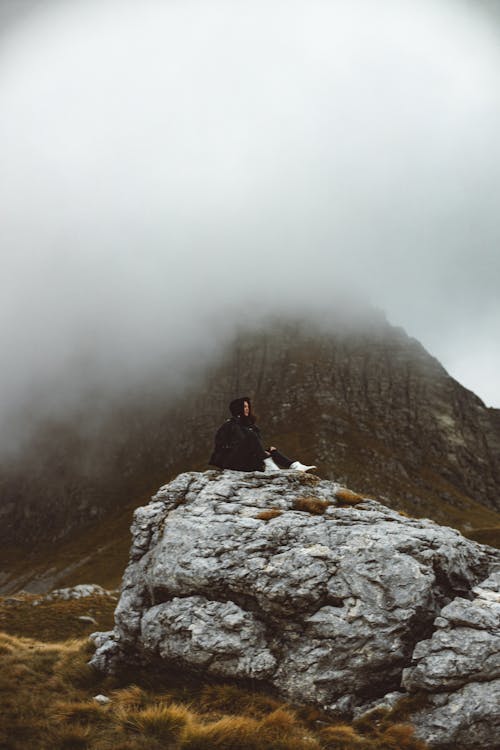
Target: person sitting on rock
pixel 238 444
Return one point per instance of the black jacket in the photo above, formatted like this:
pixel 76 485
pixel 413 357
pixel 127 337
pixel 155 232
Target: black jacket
pixel 228 437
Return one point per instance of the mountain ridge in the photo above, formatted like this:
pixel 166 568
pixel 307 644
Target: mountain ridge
pixel 368 405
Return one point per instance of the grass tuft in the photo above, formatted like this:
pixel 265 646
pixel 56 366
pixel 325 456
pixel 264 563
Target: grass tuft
pixel 372 722
pixel 165 723
pixel 228 733
pixel 279 722
pixel 401 737
pixel 73 666
pixel 267 515
pixel 347 497
pixel 80 712
pixel 31 616
pixel 131 697
pixel 307 479
pixel 72 738
pixel 313 505
pixel 341 737
pixel 231 699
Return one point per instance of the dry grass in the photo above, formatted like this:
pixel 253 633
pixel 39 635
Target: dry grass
pixel 71 738
pixel 228 733
pixel 165 723
pixel 267 515
pixel 29 616
pixel 80 712
pixel 347 497
pixel 231 699
pixel 383 729
pixel 71 666
pixel 130 698
pixel 489 536
pixel 277 731
pixel 373 722
pixel 307 479
pixel 340 737
pixel 313 505
pixel 46 702
pixel 401 736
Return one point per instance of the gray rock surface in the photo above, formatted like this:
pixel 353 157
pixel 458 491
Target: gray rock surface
pixel 201 633
pixel 459 668
pixel 331 609
pixel 79 591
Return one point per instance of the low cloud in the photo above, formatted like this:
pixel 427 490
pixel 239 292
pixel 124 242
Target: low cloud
pixel 170 169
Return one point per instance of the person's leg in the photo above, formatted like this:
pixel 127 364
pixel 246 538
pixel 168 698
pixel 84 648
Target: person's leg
pixel 280 459
pixel 288 463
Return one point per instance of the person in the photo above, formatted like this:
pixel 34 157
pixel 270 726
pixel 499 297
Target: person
pixel 238 444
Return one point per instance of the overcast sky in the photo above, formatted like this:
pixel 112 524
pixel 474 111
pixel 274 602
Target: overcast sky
pixel 163 164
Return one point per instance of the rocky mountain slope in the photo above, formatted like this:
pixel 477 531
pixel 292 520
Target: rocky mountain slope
pixel 365 402
pixel 330 597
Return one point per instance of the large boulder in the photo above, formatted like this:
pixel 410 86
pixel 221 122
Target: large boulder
pixel 281 578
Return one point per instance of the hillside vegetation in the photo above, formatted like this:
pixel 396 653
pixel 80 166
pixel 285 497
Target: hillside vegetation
pixel 47 693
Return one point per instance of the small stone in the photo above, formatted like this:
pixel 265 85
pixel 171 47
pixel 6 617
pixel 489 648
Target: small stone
pixel 441 622
pixel 87 618
pixel 102 700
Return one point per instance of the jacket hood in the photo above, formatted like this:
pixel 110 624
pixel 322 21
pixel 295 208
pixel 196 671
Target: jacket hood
pixel 236 406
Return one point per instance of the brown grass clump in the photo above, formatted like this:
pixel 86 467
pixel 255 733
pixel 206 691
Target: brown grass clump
pixel 371 732
pixel 313 505
pixel 72 665
pixel 307 479
pixel 372 722
pixel 267 515
pixel 401 737
pixel 164 723
pixel 132 697
pixel 347 497
pixel 279 722
pixel 281 730
pixel 231 699
pixel 80 712
pixel 278 731
pixel 132 743
pixel 228 733
pixel 72 738
pixel 380 727
pixel 341 737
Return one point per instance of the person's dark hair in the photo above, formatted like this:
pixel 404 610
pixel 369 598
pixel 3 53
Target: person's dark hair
pixel 236 409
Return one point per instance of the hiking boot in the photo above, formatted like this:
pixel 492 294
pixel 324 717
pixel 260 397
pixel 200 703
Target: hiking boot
pixel 301 467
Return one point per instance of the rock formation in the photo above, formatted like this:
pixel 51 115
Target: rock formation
pixel 366 403
pixel 332 598
pixel 459 669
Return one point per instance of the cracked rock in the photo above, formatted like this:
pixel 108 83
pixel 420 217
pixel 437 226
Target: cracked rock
pixel 329 609
pixel 459 669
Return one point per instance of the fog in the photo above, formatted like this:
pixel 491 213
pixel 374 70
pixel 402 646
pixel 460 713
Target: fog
pixel 171 169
